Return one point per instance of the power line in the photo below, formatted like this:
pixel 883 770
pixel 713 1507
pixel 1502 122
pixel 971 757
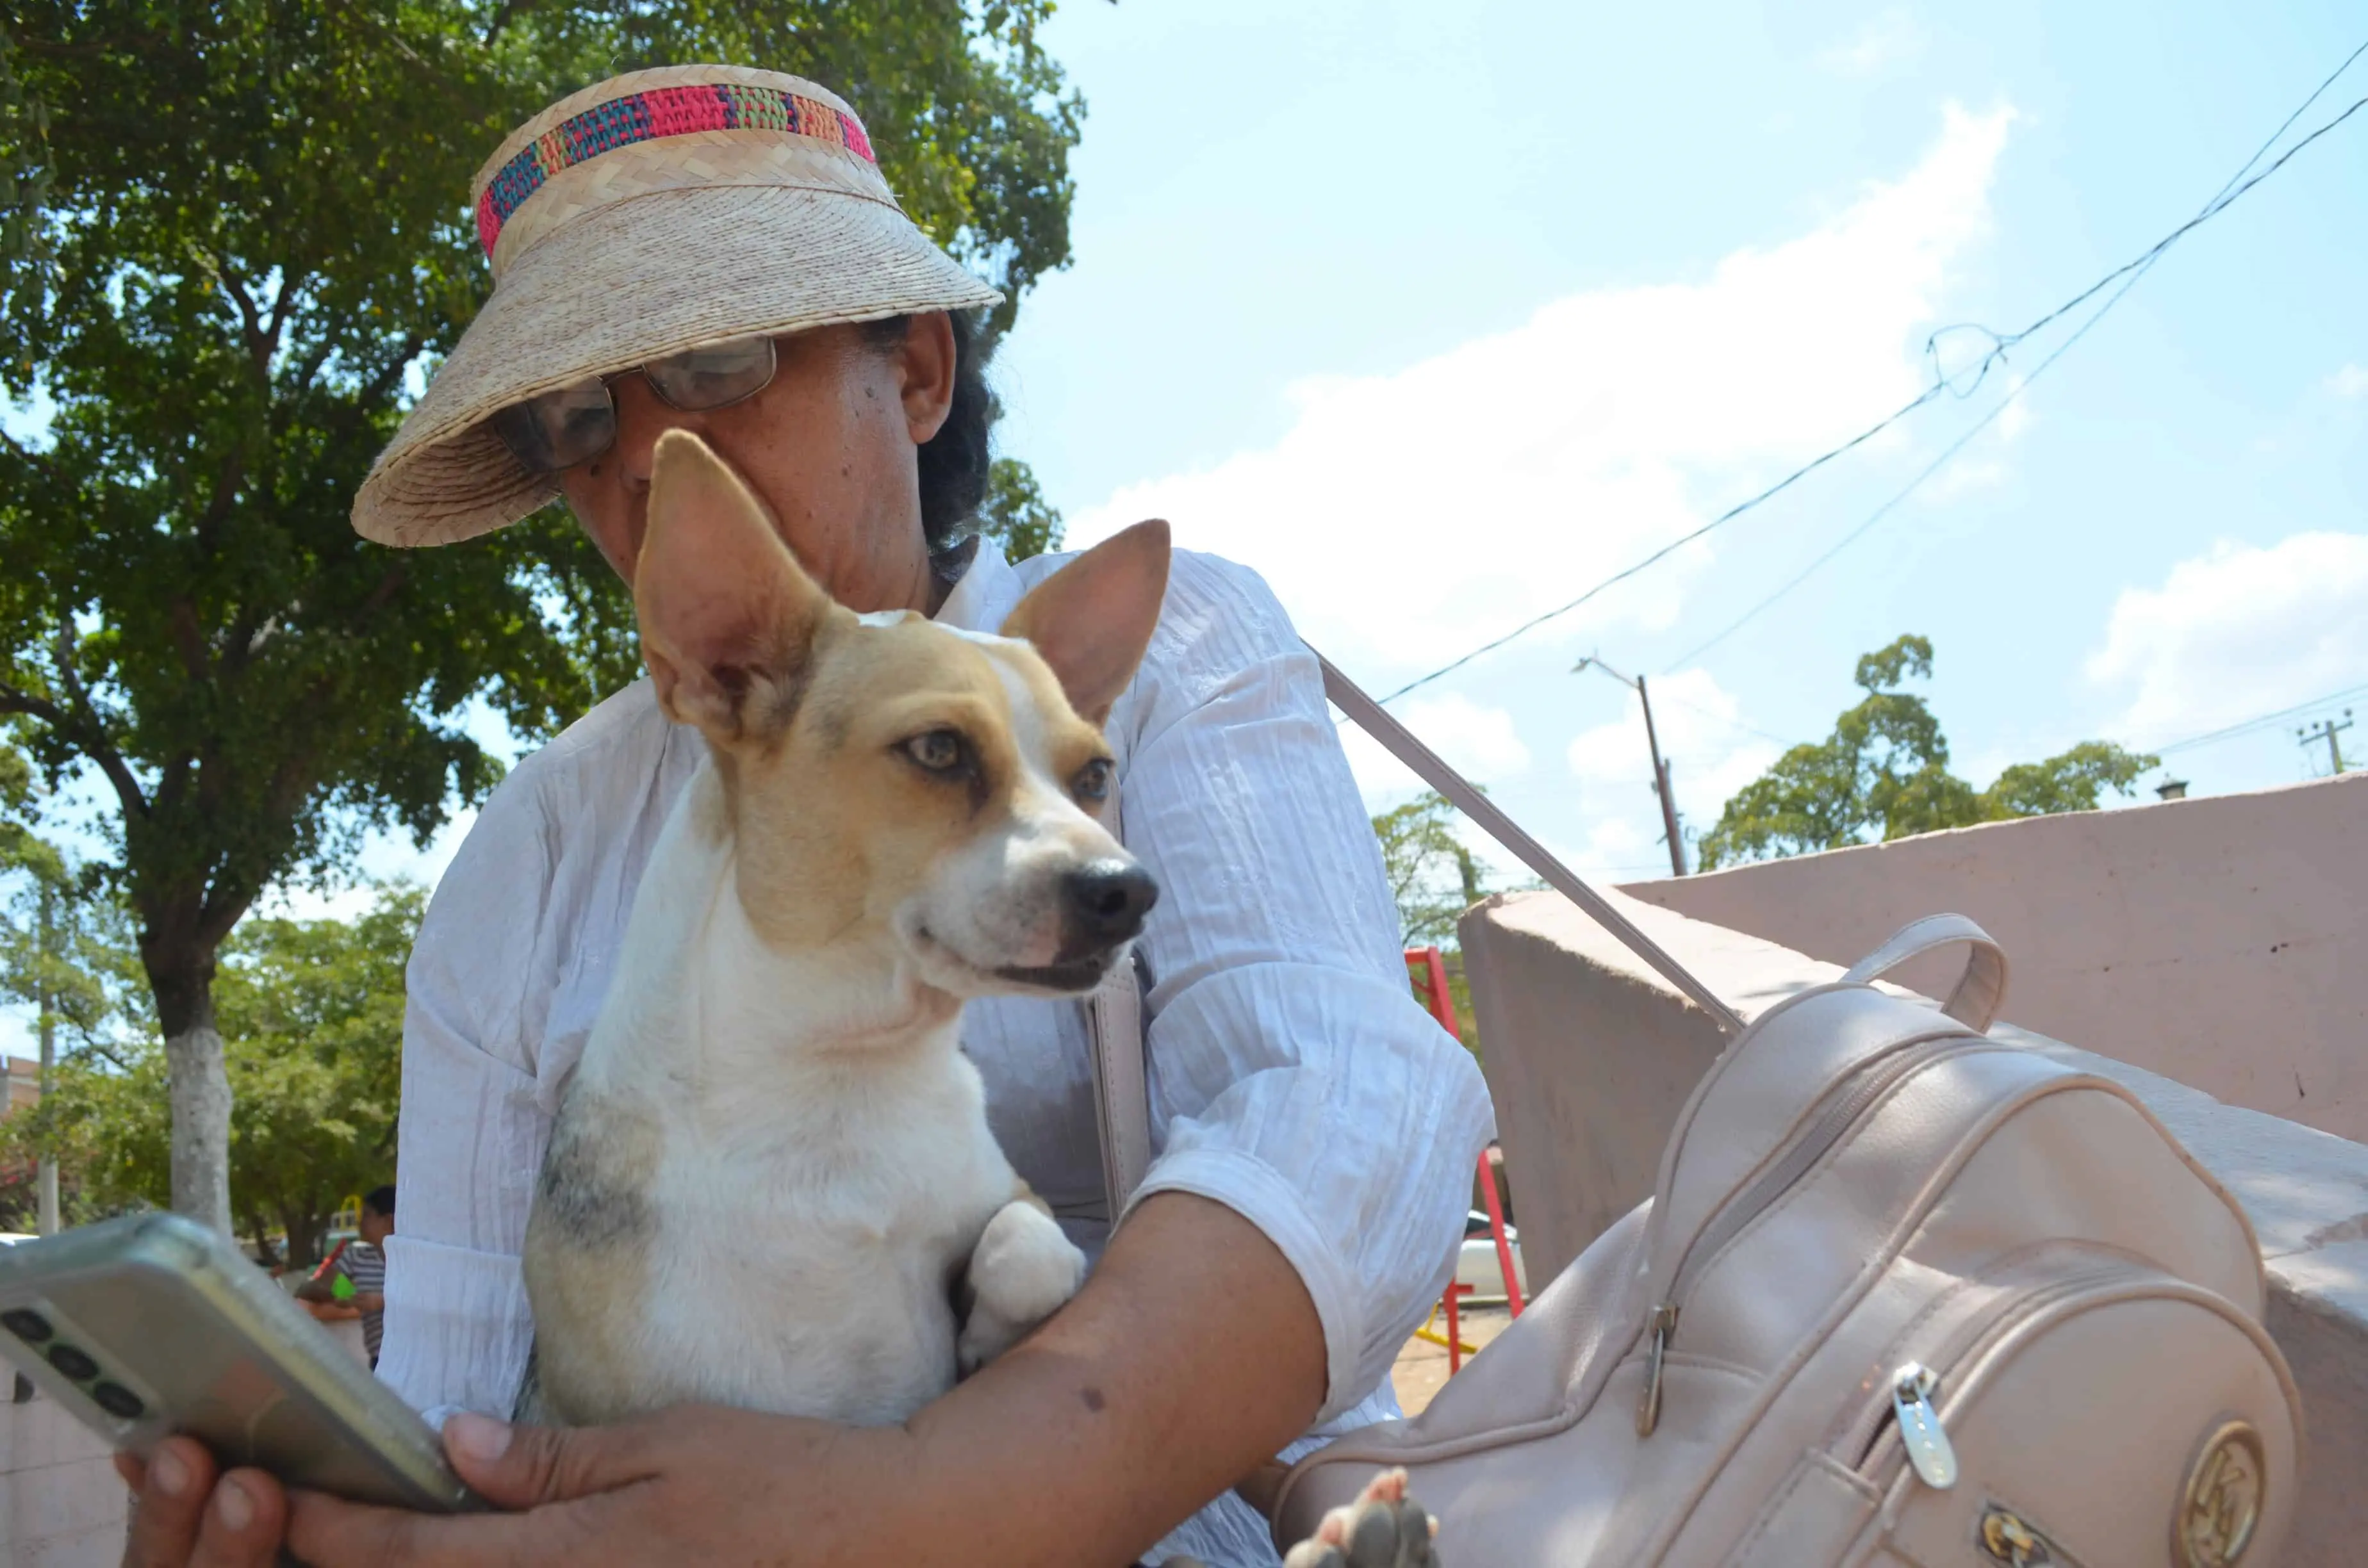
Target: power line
pixel 1949 452
pixel 2130 275
pixel 2000 344
pixel 2259 721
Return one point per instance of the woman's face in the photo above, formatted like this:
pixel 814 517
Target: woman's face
pixel 829 446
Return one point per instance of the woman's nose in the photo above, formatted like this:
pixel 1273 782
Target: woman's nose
pixel 641 417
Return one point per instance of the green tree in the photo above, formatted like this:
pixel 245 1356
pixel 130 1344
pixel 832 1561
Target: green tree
pixel 1015 513
pixel 1434 879
pixel 239 234
pixel 312 1010
pixel 1883 773
pixel 312 1016
pixel 1432 876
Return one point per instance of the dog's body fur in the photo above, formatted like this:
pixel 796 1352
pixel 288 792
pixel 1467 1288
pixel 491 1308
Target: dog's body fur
pixel 741 1206
pixel 772 1183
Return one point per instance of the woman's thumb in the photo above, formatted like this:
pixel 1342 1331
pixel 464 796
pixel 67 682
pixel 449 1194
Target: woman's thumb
pixel 518 1467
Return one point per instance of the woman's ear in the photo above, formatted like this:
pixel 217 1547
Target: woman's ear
pixel 926 367
pixel 1092 619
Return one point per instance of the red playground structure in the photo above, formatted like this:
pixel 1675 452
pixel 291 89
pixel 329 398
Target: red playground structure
pixel 1428 973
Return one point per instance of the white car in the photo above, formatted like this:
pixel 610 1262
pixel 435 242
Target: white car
pixel 1476 1264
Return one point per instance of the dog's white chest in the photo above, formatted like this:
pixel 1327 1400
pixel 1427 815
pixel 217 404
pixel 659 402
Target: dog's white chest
pixel 795 1288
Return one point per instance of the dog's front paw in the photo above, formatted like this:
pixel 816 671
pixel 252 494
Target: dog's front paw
pixel 1022 1271
pixel 1382 1528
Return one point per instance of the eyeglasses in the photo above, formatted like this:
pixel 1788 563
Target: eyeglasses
pixel 574 424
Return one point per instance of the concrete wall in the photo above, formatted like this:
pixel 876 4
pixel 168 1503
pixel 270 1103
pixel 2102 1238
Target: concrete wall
pixel 2222 942
pixel 1590 1056
pixel 61 1505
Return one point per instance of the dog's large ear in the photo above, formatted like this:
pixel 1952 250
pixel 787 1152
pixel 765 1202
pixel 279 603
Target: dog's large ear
pixel 727 615
pixel 1092 618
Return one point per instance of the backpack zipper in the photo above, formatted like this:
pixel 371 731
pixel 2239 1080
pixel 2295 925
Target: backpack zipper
pixel 2006 1537
pixel 1965 1341
pixel 1846 1106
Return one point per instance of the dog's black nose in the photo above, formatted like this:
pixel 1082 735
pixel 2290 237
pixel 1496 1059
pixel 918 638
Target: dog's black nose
pixel 1106 903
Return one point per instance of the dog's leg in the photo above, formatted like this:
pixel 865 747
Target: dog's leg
pixel 1022 1271
pixel 1384 1529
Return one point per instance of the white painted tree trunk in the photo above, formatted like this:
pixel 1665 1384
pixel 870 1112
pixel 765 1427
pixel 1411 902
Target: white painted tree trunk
pixel 47 1222
pixel 200 1094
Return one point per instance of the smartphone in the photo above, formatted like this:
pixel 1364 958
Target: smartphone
pixel 154 1325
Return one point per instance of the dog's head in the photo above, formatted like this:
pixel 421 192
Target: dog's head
pixel 898 787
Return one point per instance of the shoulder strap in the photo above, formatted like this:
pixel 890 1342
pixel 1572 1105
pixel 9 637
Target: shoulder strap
pixel 1114 1011
pixel 1122 1081
pixel 1400 742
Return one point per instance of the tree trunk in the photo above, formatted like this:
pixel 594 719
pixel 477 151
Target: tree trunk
pixel 200 1095
pixel 303 1229
pixel 47 1200
pixel 181 975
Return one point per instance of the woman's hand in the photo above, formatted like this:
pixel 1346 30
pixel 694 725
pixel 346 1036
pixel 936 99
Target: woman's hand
pixel 185 1512
pixel 696 1485
pixel 1192 1355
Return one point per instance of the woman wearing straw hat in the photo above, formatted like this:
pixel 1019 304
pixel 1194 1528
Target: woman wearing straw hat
pixel 712 248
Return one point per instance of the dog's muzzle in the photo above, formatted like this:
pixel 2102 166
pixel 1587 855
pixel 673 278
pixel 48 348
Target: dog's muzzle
pixel 1103 908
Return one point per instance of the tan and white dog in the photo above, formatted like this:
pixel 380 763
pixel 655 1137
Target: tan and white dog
pixel 771 1184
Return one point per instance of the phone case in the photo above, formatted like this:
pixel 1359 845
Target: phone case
pixel 153 1325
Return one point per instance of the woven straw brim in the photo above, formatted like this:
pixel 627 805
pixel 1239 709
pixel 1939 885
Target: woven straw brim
pixel 631 283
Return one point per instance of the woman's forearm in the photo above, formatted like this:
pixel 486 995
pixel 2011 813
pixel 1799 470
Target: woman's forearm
pixel 1192 1355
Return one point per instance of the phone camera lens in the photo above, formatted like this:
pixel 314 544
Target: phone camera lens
pixel 118 1401
pixel 73 1362
pixel 27 1325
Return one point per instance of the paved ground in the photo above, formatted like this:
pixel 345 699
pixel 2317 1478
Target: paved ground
pixel 1422 1366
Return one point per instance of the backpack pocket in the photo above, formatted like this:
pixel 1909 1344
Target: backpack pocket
pixel 2079 1407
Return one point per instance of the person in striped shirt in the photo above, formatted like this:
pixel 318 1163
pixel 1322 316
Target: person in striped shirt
pixel 361 1264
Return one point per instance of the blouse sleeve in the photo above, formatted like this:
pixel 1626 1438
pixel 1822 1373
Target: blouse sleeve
pixel 458 1327
pixel 1294 1078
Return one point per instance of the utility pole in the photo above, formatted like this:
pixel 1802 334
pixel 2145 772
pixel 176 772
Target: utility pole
pixel 2327 731
pixel 1660 768
pixel 48 1200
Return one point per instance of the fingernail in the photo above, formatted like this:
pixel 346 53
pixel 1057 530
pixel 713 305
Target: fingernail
pixel 167 1473
pixel 236 1507
pixel 477 1437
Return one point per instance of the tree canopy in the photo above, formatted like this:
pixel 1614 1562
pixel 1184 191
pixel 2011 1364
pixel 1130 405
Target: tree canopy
pixel 1883 774
pixel 312 1014
pixel 1015 513
pixel 232 236
pixel 1434 879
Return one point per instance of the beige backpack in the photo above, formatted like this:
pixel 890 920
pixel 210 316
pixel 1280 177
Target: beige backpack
pixel 1903 1295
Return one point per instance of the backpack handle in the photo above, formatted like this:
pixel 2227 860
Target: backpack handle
pixel 1979 990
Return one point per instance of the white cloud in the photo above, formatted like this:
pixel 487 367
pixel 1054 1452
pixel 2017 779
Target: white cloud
pixel 1710 756
pixel 1890 39
pixel 2350 381
pixel 1479 742
pixel 2241 630
pixel 1405 517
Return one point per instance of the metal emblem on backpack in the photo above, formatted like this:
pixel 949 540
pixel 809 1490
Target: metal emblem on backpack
pixel 2223 1500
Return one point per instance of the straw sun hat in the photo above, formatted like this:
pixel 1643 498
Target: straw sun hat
pixel 656 212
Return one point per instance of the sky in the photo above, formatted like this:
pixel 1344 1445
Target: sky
pixel 1438 315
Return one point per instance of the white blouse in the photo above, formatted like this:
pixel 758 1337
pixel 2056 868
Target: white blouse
pixel 1293 1078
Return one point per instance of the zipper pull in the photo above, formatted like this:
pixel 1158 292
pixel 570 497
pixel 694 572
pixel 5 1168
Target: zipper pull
pixel 1928 1448
pixel 1664 1323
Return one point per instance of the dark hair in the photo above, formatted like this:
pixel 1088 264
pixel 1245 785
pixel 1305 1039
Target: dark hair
pixel 380 1201
pixel 953 462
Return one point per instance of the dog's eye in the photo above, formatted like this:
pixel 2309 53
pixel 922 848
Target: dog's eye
pixel 1093 782
pixel 939 751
